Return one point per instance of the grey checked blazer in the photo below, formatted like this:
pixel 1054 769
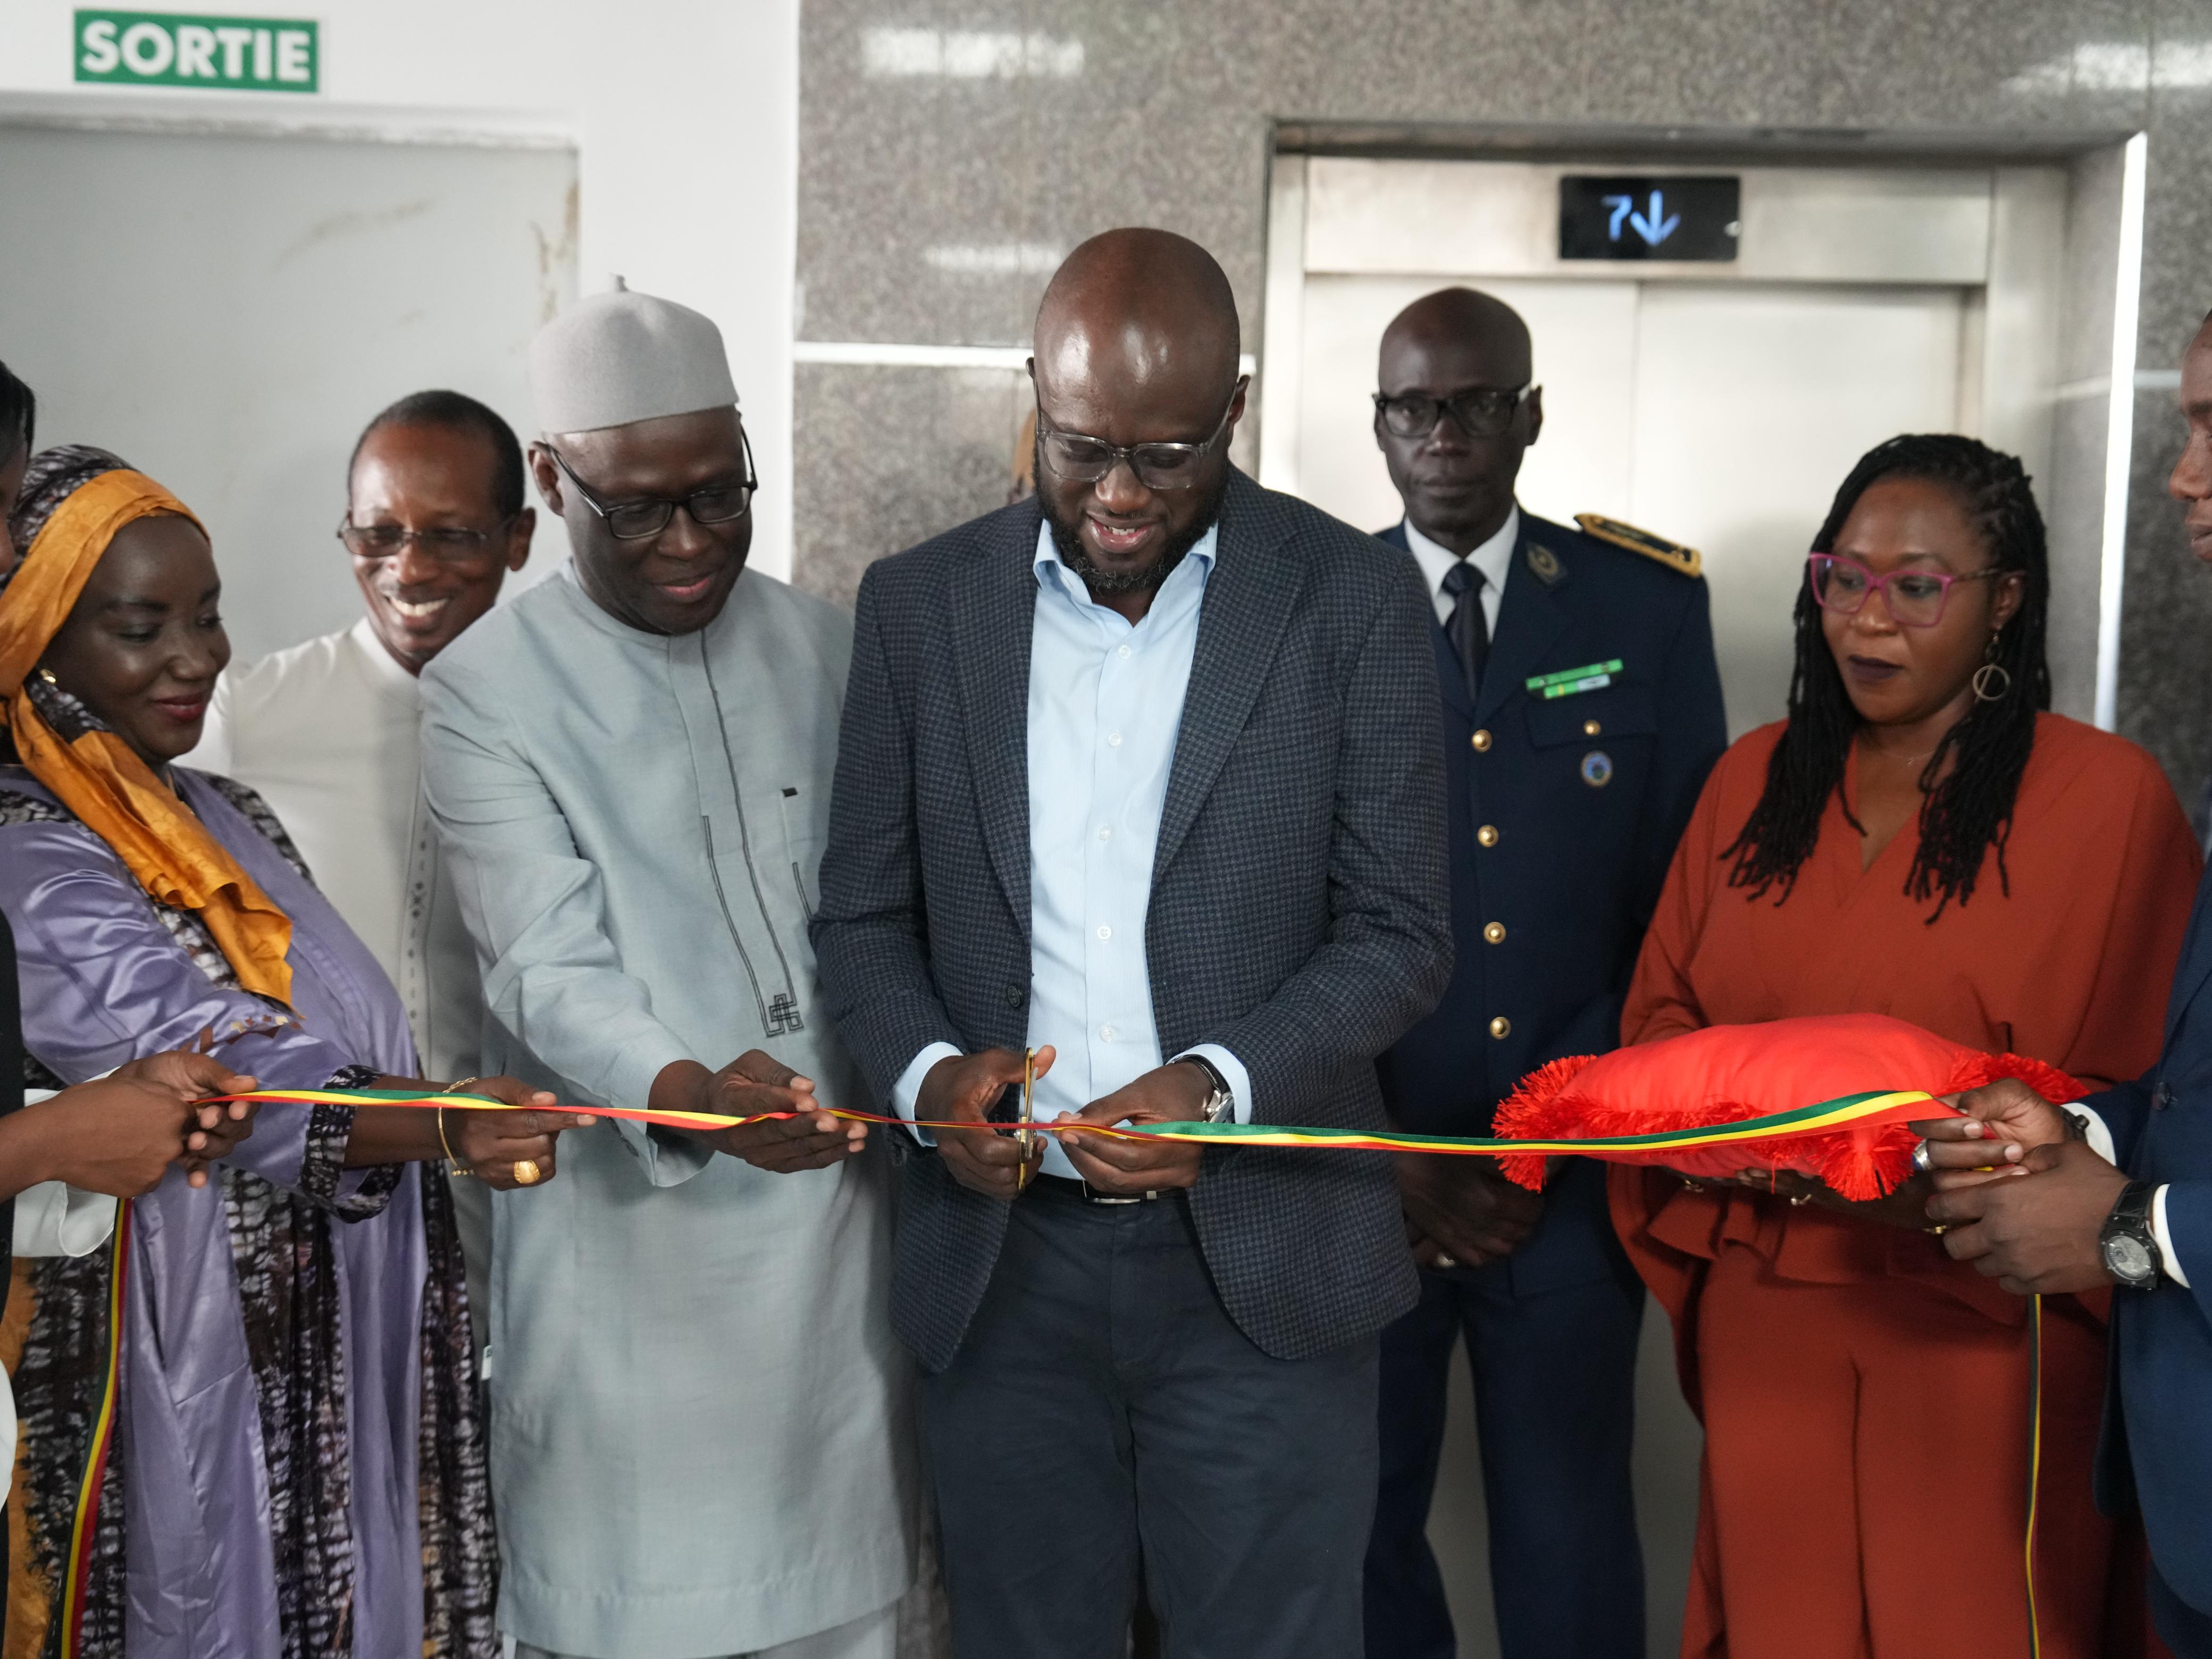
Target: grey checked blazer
pixel 1300 909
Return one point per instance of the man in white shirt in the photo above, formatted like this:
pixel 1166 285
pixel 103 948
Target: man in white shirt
pixel 327 731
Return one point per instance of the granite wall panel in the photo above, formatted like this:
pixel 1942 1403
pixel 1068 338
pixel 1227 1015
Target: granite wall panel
pixel 951 153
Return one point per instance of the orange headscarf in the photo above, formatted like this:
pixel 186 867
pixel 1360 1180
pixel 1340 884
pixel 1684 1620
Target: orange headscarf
pixel 99 776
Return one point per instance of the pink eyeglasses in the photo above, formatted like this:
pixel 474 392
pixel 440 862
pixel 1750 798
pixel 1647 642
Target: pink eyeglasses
pixel 1914 598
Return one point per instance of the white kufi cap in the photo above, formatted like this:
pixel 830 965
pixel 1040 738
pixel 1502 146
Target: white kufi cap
pixel 620 357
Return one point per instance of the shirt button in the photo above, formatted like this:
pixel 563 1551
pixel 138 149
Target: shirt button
pixel 1501 1027
pixel 1105 832
pixel 1591 728
pixel 1495 932
pixel 1106 1033
pixel 1123 653
pixel 1481 740
pixel 1105 932
pixel 1113 739
pixel 1487 835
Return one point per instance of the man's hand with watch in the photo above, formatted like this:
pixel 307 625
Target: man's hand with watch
pixel 2028 1197
pixel 1187 1090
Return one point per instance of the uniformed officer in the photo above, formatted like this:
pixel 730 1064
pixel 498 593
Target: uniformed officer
pixel 1582 710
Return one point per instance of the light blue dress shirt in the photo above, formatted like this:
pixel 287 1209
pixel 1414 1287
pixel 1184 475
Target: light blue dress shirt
pixel 1106 701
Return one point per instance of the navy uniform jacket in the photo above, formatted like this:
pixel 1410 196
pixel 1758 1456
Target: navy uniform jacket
pixel 2158 1412
pixel 1563 814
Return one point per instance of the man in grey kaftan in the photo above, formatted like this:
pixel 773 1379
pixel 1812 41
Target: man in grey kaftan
pixel 700 1441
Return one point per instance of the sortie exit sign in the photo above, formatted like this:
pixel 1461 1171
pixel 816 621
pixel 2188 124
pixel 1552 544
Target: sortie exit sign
pixel 222 54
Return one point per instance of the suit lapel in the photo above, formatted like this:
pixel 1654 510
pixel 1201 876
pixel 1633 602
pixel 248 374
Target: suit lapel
pixel 1530 619
pixel 994 607
pixel 1249 597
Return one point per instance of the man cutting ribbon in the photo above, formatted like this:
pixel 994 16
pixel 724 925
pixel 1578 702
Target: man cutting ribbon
pixel 1146 770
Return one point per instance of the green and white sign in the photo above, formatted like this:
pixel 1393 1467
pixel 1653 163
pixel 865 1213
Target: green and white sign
pixel 176 49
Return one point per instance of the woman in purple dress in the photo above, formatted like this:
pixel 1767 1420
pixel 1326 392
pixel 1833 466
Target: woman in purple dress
pixel 249 1428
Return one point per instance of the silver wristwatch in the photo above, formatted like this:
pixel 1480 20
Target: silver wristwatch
pixel 2128 1242
pixel 1221 1104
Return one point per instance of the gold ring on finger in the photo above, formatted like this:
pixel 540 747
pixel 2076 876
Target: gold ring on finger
pixel 527 1172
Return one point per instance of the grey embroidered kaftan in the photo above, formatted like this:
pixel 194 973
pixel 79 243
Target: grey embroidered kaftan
pixel 699 1434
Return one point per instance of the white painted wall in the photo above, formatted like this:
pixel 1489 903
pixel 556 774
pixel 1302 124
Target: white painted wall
pixel 683 113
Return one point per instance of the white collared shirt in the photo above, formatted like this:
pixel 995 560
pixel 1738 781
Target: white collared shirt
pixel 1105 705
pixel 327 732
pixel 1494 558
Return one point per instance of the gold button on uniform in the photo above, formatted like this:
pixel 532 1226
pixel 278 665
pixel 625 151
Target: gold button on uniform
pixel 1487 835
pixel 1501 1027
pixel 1590 728
pixel 1495 932
pixel 1481 740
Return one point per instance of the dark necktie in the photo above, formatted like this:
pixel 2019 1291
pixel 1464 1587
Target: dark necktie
pixel 1466 628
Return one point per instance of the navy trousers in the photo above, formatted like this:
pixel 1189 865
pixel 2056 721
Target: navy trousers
pixel 1105 1423
pixel 1555 1407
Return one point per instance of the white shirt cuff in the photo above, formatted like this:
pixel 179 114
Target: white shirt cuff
pixel 2100 1142
pixel 2100 1137
pixel 2166 1239
pixel 52 1219
pixel 908 1090
pixel 1232 1070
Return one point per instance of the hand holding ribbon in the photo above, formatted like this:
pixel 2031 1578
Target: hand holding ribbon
pixel 1174 1093
pixel 509 1145
pixel 961 1090
pixel 790 1131
pixel 2004 1121
pixel 211 1131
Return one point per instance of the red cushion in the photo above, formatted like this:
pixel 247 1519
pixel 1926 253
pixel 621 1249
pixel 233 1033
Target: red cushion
pixel 1727 1073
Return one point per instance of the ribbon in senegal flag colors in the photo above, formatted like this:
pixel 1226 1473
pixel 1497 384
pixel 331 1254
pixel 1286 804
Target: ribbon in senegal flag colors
pixel 1849 1114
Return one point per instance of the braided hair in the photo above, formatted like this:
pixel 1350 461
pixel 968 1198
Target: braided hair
pixel 19 416
pixel 1970 811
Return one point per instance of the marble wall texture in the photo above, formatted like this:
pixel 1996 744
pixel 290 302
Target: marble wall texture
pixel 951 152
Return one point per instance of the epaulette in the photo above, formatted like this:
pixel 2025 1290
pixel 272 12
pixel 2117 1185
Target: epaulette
pixel 1683 561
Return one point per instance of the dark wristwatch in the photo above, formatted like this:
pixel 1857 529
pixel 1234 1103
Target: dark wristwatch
pixel 2127 1245
pixel 1221 1104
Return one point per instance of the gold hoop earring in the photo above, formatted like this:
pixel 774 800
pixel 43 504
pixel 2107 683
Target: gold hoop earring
pixel 1992 681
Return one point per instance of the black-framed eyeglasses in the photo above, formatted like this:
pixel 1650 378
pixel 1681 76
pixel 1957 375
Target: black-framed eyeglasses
pixel 634 521
pixel 446 545
pixel 1081 459
pixel 1480 412
pixel 1914 598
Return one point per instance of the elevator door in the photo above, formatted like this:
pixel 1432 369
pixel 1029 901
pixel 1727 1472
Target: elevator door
pixel 1722 415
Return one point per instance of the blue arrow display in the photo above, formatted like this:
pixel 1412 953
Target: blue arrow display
pixel 1682 217
pixel 1654 227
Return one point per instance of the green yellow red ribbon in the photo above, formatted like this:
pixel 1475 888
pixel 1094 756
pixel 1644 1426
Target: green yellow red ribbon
pixel 1849 1111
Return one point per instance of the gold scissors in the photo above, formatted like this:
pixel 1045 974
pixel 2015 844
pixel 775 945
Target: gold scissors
pixel 1025 1137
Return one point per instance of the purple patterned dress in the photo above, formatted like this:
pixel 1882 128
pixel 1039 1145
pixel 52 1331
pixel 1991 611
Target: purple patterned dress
pixel 295 1465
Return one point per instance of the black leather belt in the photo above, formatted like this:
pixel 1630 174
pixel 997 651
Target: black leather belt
pixel 1085 1192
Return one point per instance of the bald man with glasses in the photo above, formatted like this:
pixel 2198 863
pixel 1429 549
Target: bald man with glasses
pixel 1140 775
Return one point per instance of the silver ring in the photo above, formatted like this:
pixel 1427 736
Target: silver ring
pixel 1921 1161
pixel 1445 1263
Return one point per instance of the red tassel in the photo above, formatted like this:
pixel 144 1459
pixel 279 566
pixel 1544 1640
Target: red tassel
pixel 2053 1085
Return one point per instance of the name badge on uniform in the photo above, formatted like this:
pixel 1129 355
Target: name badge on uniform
pixel 1568 681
